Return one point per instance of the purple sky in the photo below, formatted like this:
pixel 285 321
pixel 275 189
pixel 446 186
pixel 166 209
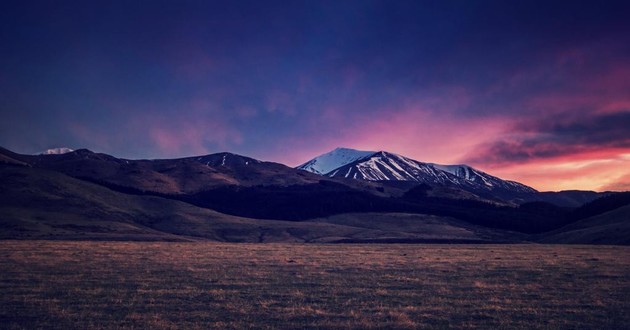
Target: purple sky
pixel 534 91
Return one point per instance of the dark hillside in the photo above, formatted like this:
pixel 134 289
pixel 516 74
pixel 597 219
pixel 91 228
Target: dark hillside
pixel 612 227
pixel 602 205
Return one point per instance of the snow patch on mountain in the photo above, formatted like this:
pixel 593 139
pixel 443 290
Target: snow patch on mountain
pixel 57 151
pixel 329 161
pixel 484 179
pixel 466 172
pixel 385 166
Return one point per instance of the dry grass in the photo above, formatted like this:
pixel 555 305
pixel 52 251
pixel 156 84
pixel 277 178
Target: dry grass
pixel 214 285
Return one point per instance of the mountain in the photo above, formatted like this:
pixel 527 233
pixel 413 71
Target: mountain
pixel 396 171
pixel 225 182
pixel 168 176
pixel 329 161
pixel 245 187
pixel 188 196
pixel 386 166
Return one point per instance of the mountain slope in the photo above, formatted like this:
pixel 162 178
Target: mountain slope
pixel 565 198
pixel 387 166
pixel 484 179
pixel 42 204
pixel 9 157
pixel 612 227
pixel 420 228
pixel 329 161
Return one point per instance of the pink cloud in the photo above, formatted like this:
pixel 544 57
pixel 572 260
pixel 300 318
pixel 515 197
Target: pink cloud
pixel 622 184
pixel 426 136
pixel 161 133
pixel 413 130
pixel 188 135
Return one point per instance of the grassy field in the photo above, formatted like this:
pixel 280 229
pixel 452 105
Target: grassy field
pixel 85 285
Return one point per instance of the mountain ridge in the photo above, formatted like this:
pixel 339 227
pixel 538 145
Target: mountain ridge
pixel 196 173
pixel 386 166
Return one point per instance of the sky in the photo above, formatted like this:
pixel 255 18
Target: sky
pixel 532 91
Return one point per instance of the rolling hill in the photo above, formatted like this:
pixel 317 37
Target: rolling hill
pixel 612 227
pixel 43 204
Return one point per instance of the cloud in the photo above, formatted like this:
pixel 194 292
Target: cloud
pixel 155 131
pixel 584 171
pixel 622 184
pixel 546 138
pixel 191 137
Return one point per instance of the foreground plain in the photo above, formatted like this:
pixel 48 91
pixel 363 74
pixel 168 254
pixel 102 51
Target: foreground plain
pixel 87 285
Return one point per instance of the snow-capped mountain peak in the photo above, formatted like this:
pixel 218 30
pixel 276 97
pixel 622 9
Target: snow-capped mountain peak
pixel 329 161
pixel 386 166
pixel 57 151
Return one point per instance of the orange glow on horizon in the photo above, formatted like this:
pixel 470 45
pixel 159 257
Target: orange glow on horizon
pixel 577 173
